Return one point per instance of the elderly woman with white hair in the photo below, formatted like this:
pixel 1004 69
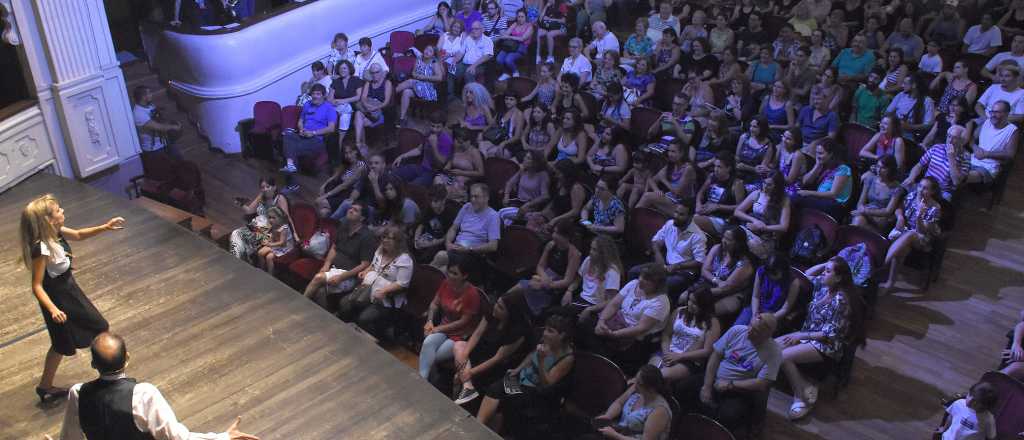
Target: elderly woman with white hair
pixel 479 108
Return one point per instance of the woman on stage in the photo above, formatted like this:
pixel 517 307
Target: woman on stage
pixel 71 319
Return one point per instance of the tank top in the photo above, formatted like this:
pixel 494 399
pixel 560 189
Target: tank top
pixel 952 94
pixel 378 93
pixel 634 417
pixel 684 337
pixel 886 146
pixel 546 94
pixel 566 151
pixel 751 152
pixel 720 192
pixel 605 159
pixel 720 270
pixel 775 115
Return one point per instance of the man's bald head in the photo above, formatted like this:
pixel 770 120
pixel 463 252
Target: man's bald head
pixel 109 353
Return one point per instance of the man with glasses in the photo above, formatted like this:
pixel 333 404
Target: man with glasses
pixel 475 231
pixel 948 163
pixel 351 253
pixel 318 119
pixel 576 63
pixel 479 49
pixel 997 144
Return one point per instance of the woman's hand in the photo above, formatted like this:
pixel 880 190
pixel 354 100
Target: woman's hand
pixel 465 375
pixel 707 396
pixel 428 328
pixel 542 350
pixel 803 193
pixel 114 224
pixel 790 339
pixel 608 432
pixel 58 315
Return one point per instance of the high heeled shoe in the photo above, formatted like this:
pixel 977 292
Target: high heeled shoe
pixel 52 394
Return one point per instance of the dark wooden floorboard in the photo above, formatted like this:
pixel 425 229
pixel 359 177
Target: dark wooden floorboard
pixel 218 337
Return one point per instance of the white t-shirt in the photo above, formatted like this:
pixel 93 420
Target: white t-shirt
pixel 592 291
pixel 635 306
pixel 998 59
pixel 978 41
pixel 682 246
pixel 608 42
pixel 965 424
pixel 995 93
pixel 930 63
pixel 451 46
pixel 476 49
pixel 577 65
pixel 149 140
pixel 57 262
pixel 362 65
pixel 992 139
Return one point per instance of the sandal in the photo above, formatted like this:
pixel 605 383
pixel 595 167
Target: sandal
pixel 799 409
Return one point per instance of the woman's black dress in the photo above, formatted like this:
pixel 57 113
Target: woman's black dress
pixel 83 322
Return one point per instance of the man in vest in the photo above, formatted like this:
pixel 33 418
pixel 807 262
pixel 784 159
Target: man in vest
pixel 116 407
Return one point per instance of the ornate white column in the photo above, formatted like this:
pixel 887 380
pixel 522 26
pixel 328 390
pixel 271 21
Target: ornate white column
pixel 87 85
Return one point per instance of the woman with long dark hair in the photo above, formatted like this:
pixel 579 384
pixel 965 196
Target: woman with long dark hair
pixel 72 321
pixel 566 202
pixel 687 342
pixel 831 179
pixel 496 345
pixel 729 269
pixel 917 225
pixel 765 215
pixel 673 183
pixel 913 106
pixel 718 197
pixel 247 239
pixel 880 195
pixel 640 412
pixel 397 209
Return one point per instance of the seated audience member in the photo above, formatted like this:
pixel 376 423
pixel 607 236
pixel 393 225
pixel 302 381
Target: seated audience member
pixel 914 108
pixel 458 302
pixel 984 38
pixel 696 29
pixel 800 76
pixel 609 156
pixel 542 370
pixel 344 94
pixel 869 101
pixel 476 229
pixel 855 62
pixel 366 58
pixel 502 139
pixel 718 197
pixel 917 226
pixel 828 88
pixel 971 417
pixel 339 52
pixel 785 46
pixel 493 19
pixel 513 44
pixel 434 154
pixel 452 47
pixel 154 131
pixel 792 162
pixel 320 76
pixel 638 85
pixel 599 279
pixel 539 133
pixel 685 248
pixel 433 225
pixel 958 85
pixel 552 24
pixel 607 72
pixel 566 202
pixel 1015 54
pixel 764 215
pixel 729 269
pixel 568 98
pixel 674 182
pixel 633 184
pixel 468 15
pixel 997 144
pixel 740 373
pixel 887 142
pixel 577 64
pixel 318 119
pixel 677 124
pixel 638 46
pixel 571 140
pixel 660 21
pixel 1008 90
pixel 880 195
pixel 344 184
pixel 527 190
pixel 831 180
pixel 1013 356
pixel 351 253
pixel 905 39
pixel 764 71
pixel 721 37
pixel 753 151
pixel 604 213
pixel 832 318
pixel 556 271
pixel 466 165
pixel 628 323
pixel 947 163
pixel 615 110
pixel 381 295
pixel 280 241
pixel 604 40
pixel 947 28
pixel 778 110
pixel 422 83
pixel 667 55
pixel 377 94
pixel 479 49
pixel 246 240
pixel 698 63
pixel 640 412
pixel 686 342
pixel 817 122
pixel 370 190
pixel 775 290
pixel 498 343
pixel 753 35
pixel 439 22
pixel 396 209
pixel 740 104
pixel 479 108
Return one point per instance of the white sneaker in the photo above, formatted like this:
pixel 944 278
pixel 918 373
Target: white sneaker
pixel 467 395
pixel 503 77
pixel 515 74
pixel 550 60
pixel 289 168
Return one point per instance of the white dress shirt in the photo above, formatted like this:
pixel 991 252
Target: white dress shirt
pixel 683 246
pixel 151 412
pixel 608 42
pixel 477 48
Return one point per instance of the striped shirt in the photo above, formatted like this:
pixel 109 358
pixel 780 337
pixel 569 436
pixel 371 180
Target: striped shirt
pixel 937 162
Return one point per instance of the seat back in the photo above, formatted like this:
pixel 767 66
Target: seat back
pixel 401 41
pixel 402 67
pixel 664 91
pixel 497 172
pixel 158 166
pixel 975 64
pixel 521 86
pixel 849 235
pixel 422 41
pixel 408 139
pixel 596 383
pixel 809 216
pixel 641 121
pixel 305 220
pixel 593 107
pixel 518 252
pixel 422 288
pixel 697 426
pixel 266 117
pixel 643 223
pixel 854 137
pixel 290 117
pixel 419 194
pixel 1009 406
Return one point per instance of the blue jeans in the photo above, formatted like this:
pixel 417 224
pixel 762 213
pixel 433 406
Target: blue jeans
pixel 436 348
pixel 415 174
pixel 507 60
pixel 296 146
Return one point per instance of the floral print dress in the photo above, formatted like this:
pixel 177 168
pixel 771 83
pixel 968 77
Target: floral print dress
pixel 828 315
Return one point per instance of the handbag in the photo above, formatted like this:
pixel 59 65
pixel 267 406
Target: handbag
pixel 549 25
pixel 631 96
pixel 496 135
pixel 317 245
pixel 509 45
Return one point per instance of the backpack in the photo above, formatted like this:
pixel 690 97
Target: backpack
pixel 859 260
pixel 809 246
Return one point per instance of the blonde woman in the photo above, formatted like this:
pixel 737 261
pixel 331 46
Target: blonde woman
pixel 71 319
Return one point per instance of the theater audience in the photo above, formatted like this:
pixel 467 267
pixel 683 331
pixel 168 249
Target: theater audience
pixel 452 316
pixel 366 58
pixel 831 180
pixel 674 182
pixel 466 165
pixel 685 248
pixel 917 225
pixel 552 25
pixel 513 43
pixel 344 183
pixel 996 146
pixel 345 94
pixel 498 343
pixel 246 240
pixel 765 215
pixel 629 323
pixel 599 279
pixel 791 163
pixel 556 271
pixel 577 63
pixel 479 108
pixel 566 201
pixel 775 290
pixel 376 303
pixel 958 84
pixel 422 83
pixel 947 163
pixel 280 242
pixel 433 225
pixel 396 209
pixel 527 190
pixel 318 118
pixel 638 85
pixel 1013 356
pixel 609 156
pixel 377 94
pixel 434 154
pixel 478 49
pixel 640 412
pixel 571 141
pixel 869 101
pixel 351 253
pixel 971 417
pixel 686 343
pixel 729 269
pixel 604 213
pixel 475 230
pixel 718 197
pixel 880 195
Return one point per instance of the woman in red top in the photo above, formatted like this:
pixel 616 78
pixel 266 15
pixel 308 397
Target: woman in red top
pixel 459 304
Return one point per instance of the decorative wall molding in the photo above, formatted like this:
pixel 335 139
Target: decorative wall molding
pixel 25 146
pixel 90 131
pixel 8 25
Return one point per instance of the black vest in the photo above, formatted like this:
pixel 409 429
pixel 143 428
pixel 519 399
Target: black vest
pixel 105 410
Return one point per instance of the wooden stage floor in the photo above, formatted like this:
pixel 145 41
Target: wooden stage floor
pixel 218 337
